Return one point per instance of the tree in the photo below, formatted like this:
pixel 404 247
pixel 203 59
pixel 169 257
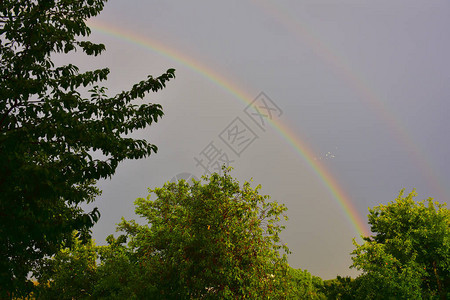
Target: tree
pixel 70 274
pixel 340 288
pixel 87 271
pixel 119 273
pixel 306 286
pixel 49 131
pixel 213 240
pixel 408 257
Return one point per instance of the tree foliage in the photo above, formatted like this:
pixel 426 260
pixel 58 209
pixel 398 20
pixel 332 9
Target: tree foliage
pixel 408 257
pixel 305 286
pixel 70 274
pixel 120 275
pixel 87 271
pixel 49 130
pixel 340 288
pixel 213 240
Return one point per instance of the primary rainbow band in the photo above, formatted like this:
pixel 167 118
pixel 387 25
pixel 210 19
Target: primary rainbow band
pixel 357 82
pixel 296 143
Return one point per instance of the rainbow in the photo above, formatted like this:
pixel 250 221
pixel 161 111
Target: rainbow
pixel 328 180
pixel 357 82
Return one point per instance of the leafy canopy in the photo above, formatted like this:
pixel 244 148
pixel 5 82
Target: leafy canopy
pixel 408 257
pixel 70 274
pixel 49 131
pixel 305 286
pixel 87 271
pixel 213 240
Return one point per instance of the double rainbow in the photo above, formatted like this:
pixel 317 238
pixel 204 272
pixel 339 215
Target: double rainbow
pixel 302 149
pixel 356 81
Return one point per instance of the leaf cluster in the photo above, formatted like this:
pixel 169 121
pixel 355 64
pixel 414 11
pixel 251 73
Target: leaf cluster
pixel 213 240
pixel 305 286
pixel 409 254
pixel 202 241
pixel 49 132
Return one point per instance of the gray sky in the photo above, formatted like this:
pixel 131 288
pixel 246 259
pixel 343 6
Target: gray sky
pixel 364 84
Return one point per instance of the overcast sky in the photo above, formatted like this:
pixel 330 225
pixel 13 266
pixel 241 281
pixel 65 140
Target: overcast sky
pixel 364 84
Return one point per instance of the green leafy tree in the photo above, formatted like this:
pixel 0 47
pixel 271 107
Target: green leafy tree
pixel 214 240
pixel 70 274
pixel 306 286
pixel 120 275
pixel 87 271
pixel 49 131
pixel 408 257
pixel 340 288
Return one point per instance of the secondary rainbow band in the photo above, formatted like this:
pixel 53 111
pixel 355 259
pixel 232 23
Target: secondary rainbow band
pixel 296 143
pixel 357 82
